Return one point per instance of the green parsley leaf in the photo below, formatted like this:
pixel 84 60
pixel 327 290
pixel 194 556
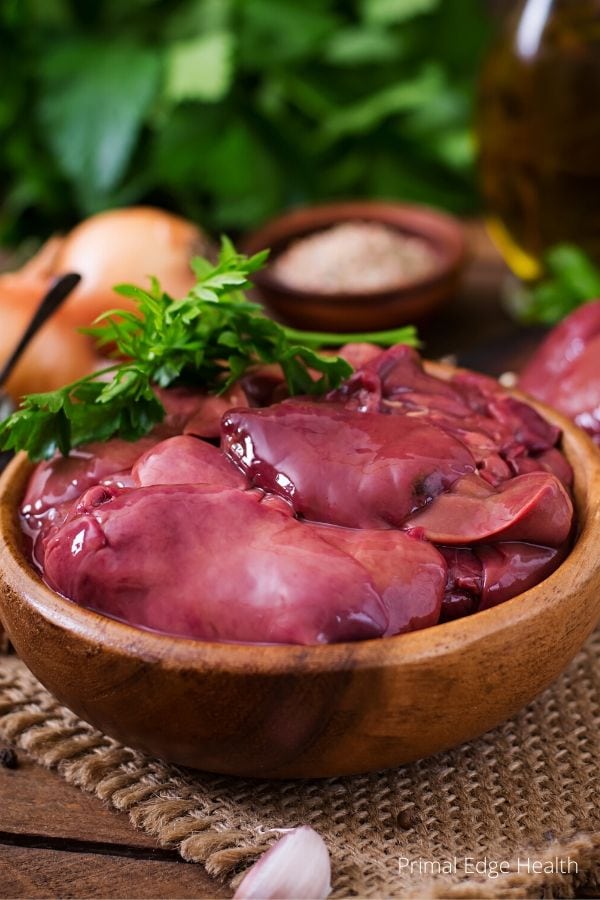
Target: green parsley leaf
pixel 210 338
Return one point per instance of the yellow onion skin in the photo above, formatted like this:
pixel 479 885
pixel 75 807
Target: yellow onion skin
pixel 126 246
pixel 56 355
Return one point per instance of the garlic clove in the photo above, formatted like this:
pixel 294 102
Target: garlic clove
pixel 297 867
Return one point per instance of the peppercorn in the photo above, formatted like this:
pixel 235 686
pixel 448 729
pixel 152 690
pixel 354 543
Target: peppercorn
pixel 407 818
pixel 8 758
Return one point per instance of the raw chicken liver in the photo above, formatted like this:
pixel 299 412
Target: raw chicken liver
pixel 565 371
pixel 398 501
pixel 362 470
pixel 244 571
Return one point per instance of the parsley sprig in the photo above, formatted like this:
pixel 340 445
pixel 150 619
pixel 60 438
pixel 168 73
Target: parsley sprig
pixel 209 338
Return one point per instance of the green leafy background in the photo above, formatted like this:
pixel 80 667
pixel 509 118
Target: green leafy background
pixel 230 110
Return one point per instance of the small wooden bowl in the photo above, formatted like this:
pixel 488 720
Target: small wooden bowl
pixel 287 711
pixel 370 310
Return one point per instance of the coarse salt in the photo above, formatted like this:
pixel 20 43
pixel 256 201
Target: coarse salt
pixel 354 257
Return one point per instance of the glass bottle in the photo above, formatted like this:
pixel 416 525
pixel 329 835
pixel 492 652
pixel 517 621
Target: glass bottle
pixel 539 132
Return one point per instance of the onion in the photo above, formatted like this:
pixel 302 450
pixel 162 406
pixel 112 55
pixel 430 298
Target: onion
pixel 41 265
pixel 126 245
pixel 55 356
pixel 123 245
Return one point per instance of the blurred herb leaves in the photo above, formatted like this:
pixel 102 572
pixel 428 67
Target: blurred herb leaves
pixel 570 280
pixel 229 110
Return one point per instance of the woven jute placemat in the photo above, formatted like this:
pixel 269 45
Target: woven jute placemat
pixel 522 800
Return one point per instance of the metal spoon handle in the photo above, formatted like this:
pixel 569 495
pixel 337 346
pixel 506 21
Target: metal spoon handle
pixel 59 291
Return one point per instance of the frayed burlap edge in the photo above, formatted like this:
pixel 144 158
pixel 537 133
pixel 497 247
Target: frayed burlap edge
pixel 160 800
pixel 155 800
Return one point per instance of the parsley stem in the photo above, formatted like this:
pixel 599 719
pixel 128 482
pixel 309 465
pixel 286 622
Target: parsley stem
pixel 93 376
pixel 406 335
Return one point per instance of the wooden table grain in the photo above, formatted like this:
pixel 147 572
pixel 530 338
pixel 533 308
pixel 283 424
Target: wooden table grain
pixel 56 841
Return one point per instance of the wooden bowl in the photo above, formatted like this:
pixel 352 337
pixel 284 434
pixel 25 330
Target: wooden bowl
pixel 287 711
pixel 371 310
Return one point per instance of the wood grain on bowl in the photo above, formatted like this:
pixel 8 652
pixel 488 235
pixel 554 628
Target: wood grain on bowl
pixel 286 711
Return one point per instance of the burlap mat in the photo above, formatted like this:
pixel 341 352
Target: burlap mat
pixel 526 794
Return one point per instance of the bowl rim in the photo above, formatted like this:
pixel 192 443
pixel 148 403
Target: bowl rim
pixel 18 576
pixel 439 229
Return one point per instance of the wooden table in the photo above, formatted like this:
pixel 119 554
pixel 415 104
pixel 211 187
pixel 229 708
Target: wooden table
pixel 56 841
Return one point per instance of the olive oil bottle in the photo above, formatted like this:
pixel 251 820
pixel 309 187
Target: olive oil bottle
pixel 539 132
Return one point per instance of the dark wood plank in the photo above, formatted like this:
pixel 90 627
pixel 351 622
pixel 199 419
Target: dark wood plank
pixel 39 812
pixel 37 873
pixel 36 801
pixel 42 817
